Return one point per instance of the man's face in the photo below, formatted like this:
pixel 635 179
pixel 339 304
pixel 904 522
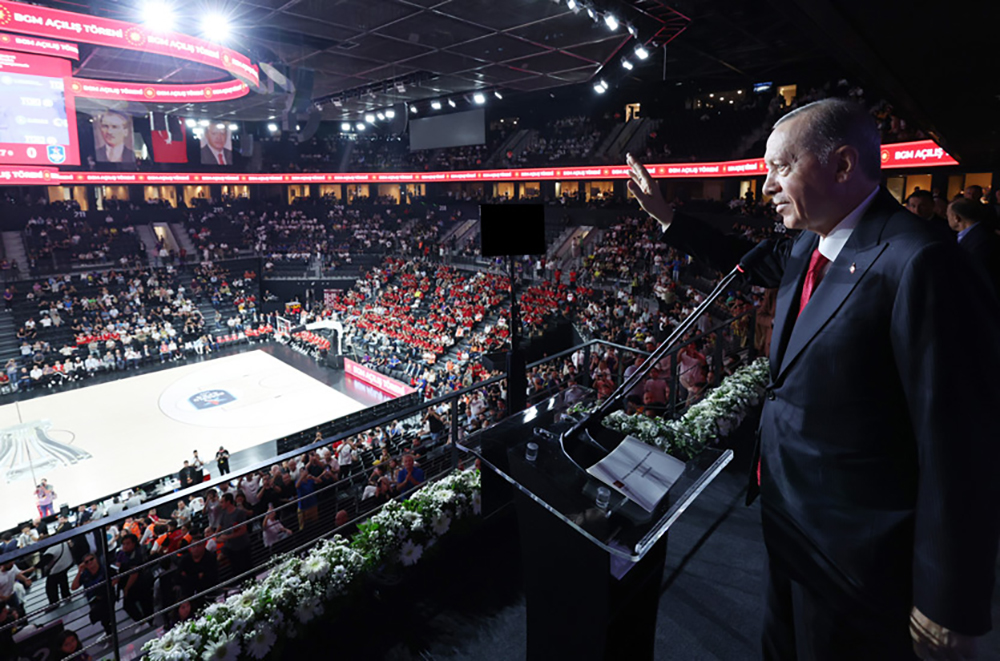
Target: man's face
pixel 921 206
pixel 954 221
pixel 408 463
pixel 802 188
pixel 114 130
pixel 217 136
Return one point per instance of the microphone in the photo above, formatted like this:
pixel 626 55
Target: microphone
pixel 756 257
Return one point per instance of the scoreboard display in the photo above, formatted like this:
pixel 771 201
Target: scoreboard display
pixel 37 112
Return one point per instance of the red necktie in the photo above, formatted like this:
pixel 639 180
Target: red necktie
pixel 222 160
pixel 814 275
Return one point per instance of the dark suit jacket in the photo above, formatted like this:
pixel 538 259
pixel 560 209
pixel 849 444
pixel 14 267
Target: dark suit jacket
pixel 101 153
pixel 983 245
pixel 208 158
pixel 878 440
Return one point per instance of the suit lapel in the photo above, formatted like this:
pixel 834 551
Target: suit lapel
pixel 858 255
pixel 788 293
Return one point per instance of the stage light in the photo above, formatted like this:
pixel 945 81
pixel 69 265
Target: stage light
pixel 273 128
pixel 479 98
pixel 158 16
pixel 601 86
pixel 215 27
pixel 641 52
pixel 498 95
pixel 592 14
pixel 381 116
pixel 451 103
pixel 191 123
pixel 571 4
pixel 370 118
pixel 345 127
pixel 203 122
pixel 390 113
pixel 413 109
pixel 632 30
pixel 360 126
pixel 233 128
pixel 628 65
pixel 611 22
pixel 221 127
pixel 436 105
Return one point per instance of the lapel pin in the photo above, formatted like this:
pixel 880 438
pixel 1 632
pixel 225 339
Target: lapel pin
pixel 854 267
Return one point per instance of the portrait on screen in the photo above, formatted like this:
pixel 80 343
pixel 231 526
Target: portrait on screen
pixel 113 141
pixel 217 145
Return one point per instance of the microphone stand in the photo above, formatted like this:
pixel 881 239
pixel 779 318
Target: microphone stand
pixel 621 392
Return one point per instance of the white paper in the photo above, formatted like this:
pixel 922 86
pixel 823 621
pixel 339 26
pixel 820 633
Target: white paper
pixel 638 471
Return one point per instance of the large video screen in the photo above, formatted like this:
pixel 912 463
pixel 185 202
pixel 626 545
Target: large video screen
pixel 37 113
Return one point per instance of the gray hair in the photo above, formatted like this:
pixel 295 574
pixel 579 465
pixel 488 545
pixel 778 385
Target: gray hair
pixel 833 123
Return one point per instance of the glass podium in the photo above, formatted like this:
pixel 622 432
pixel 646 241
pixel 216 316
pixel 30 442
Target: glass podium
pixel 592 573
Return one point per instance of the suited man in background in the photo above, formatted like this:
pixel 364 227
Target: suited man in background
pixel 877 446
pixel 214 152
pixel 115 129
pixel 975 224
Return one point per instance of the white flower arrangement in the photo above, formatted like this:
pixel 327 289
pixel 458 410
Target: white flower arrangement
pixel 297 590
pixel 716 415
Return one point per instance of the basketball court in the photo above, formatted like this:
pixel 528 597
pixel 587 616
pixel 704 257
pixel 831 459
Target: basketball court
pixel 105 438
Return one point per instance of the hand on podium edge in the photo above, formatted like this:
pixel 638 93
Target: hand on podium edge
pixel 933 642
pixel 648 193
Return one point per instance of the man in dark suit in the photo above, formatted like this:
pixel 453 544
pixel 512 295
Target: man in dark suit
pixel 975 224
pixel 877 444
pixel 115 129
pixel 214 152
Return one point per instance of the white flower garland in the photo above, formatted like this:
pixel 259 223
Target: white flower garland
pixel 717 414
pixel 297 590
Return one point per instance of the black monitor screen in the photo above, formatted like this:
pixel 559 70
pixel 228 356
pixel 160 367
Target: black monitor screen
pixel 512 229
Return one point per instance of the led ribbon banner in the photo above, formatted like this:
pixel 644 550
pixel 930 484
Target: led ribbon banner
pixel 45 22
pixel 924 153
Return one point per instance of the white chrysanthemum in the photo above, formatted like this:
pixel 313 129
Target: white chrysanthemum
pixel 440 524
pixel 167 648
pixel 315 567
pixel 225 649
pixel 410 553
pixel 308 611
pixel 215 611
pixel 260 642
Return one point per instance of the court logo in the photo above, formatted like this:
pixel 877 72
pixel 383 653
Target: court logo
pixel 56 154
pixel 211 398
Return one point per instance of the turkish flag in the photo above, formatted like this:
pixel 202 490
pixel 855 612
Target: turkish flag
pixel 170 146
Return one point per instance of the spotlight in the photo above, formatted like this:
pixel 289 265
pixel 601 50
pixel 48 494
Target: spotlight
pixel 479 98
pixel 451 103
pixel 390 113
pixel 202 122
pixel 413 109
pixel 215 27
pixel 632 30
pixel 571 4
pixel 498 95
pixel 233 128
pixel 370 118
pixel 191 123
pixel 641 52
pixel 611 22
pixel 591 13
pixel 345 127
pixel 601 86
pixel 273 128
pixel 221 127
pixel 381 116
pixel 360 126
pixel 628 65
pixel 158 16
pixel 436 105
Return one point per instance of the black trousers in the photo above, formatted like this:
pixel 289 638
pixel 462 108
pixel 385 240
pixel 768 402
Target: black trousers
pixel 56 584
pixel 801 625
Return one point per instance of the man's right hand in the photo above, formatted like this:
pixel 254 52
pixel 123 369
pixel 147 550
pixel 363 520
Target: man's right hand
pixel 647 192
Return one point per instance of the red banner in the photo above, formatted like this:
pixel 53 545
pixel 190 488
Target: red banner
pixel 39 46
pixel 110 89
pixel 382 382
pixel 18 176
pixel 924 153
pixel 55 23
